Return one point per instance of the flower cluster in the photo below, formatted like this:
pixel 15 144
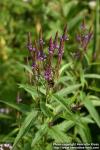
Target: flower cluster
pixel 42 60
pixel 83 37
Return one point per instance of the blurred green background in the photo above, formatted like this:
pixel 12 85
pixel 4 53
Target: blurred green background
pixel 18 17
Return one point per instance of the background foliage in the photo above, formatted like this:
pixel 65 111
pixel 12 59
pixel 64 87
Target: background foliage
pixel 19 17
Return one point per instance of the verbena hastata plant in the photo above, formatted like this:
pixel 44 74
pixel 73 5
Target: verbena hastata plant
pixel 63 105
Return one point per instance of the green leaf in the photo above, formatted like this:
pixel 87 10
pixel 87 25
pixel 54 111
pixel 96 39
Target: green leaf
pixel 62 101
pixel 39 134
pixel 58 135
pixel 73 22
pixel 4 116
pixel 82 79
pixel 9 135
pixel 84 132
pixel 93 97
pixel 94 89
pixel 87 119
pixel 64 67
pixel 43 91
pixel 96 103
pixel 95 76
pixel 89 105
pixel 64 79
pixel 30 89
pixel 27 68
pixel 65 125
pixel 25 126
pixel 67 7
pixel 45 109
pixel 20 107
pixel 68 90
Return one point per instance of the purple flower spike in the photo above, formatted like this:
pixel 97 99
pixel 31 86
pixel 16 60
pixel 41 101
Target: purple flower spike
pixel 51 46
pixel 48 73
pixel 33 65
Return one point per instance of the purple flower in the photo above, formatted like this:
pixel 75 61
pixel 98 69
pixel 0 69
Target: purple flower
pixel 41 56
pixel 41 42
pixel 51 46
pixel 33 65
pixel 33 49
pixel 48 73
pixel 30 47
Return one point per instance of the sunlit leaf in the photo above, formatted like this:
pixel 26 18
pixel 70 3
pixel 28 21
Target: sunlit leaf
pixel 94 76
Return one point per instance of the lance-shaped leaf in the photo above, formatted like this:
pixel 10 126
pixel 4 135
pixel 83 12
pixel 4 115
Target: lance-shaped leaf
pixel 39 134
pixel 91 109
pixel 25 127
pixel 22 107
pixel 68 90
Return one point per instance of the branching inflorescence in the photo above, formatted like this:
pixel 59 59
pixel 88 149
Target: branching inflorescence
pixel 42 62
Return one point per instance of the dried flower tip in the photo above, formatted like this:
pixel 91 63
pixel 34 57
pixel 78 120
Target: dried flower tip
pixel 61 48
pixel 56 46
pixel 41 42
pixel 85 40
pixel 78 38
pixel 29 38
pixel 51 46
pixel 65 36
pixel 29 44
pixel 83 25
